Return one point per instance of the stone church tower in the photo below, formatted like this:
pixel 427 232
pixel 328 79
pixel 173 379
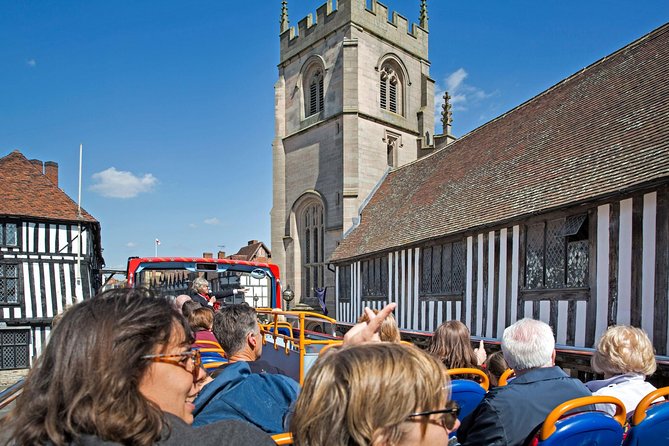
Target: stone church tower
pixel 354 98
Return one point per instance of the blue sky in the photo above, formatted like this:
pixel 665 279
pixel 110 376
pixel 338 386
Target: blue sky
pixel 173 100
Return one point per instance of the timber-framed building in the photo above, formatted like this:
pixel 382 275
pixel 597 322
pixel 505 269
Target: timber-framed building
pixel 45 265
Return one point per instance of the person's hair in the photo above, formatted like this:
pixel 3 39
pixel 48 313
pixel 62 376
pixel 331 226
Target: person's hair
pixel 87 379
pixel 624 349
pixel 528 344
pixel 198 283
pixel 180 300
pixel 389 331
pixel 495 365
pixel 451 344
pixel 232 323
pixel 362 394
pixel 188 307
pixel 201 319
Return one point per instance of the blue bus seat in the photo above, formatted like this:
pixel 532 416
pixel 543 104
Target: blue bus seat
pixel 466 392
pixel 590 427
pixel 650 422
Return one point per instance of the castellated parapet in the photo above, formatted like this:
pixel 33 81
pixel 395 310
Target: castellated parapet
pixel 393 28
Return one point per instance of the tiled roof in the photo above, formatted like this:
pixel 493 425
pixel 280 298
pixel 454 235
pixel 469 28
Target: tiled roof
pixel 604 129
pixel 26 191
pixel 249 251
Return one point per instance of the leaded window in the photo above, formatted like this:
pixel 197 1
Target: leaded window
pixel 557 253
pixel 344 283
pixel 9 283
pixel 443 269
pixel 390 91
pixel 374 278
pixel 313 99
pixel 313 254
pixel 9 235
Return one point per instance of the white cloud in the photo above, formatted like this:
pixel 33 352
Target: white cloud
pixel 114 183
pixel 31 62
pixel 463 95
pixel 455 79
pixel 131 244
pixel 192 225
pixel 212 221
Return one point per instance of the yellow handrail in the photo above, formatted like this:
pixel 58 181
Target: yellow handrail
pixel 302 342
pixel 640 411
pixel 284 438
pixel 504 377
pixel 485 381
pixel 548 427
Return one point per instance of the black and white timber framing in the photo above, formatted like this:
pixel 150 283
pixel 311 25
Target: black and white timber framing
pixel 627 281
pixel 47 259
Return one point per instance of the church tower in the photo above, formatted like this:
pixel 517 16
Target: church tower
pixel 354 98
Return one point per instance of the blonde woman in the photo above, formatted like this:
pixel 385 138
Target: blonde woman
pixel 381 394
pixel 625 357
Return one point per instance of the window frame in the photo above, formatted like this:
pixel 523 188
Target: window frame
pixel 314 90
pixel 377 290
pixel 452 292
pixel 312 241
pixel 391 88
pixel 17 287
pixel 3 234
pixel 344 283
pixel 582 234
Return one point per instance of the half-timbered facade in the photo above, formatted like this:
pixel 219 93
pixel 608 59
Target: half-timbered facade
pixel 50 256
pixel 557 210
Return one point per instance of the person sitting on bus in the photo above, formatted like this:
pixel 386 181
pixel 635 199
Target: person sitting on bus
pixel 509 415
pixel 117 369
pixel 243 389
pixel 180 300
pixel 451 344
pixel 200 293
pixel 494 366
pixel 377 393
pixel 625 357
pixel 389 331
pixel 201 321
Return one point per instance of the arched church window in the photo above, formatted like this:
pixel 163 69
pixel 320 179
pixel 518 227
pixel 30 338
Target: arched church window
pixel 391 88
pixel 313 91
pixel 312 239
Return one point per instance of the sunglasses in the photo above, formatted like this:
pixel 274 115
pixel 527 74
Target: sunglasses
pixel 191 361
pixel 448 415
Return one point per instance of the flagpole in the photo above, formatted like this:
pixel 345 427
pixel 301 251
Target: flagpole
pixel 77 273
pixel 155 243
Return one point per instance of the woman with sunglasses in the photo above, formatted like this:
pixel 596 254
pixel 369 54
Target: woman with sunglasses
pixel 375 394
pixel 118 369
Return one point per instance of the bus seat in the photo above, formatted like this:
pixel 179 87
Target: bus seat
pixel 505 377
pixel 590 427
pixel 466 392
pixel 650 422
pixel 284 438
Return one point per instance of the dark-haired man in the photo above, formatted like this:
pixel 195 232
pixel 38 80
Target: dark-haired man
pixel 243 390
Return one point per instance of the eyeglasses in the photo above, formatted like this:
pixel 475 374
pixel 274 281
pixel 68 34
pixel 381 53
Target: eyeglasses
pixel 184 359
pixel 444 421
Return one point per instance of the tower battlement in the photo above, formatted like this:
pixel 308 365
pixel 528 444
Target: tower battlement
pixel 334 14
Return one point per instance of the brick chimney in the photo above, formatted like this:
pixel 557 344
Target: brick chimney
pixel 207 255
pixel 252 242
pixel 51 171
pixel 221 254
pixel 38 165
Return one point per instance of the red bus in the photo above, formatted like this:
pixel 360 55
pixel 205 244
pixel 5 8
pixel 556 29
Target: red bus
pixel 171 276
